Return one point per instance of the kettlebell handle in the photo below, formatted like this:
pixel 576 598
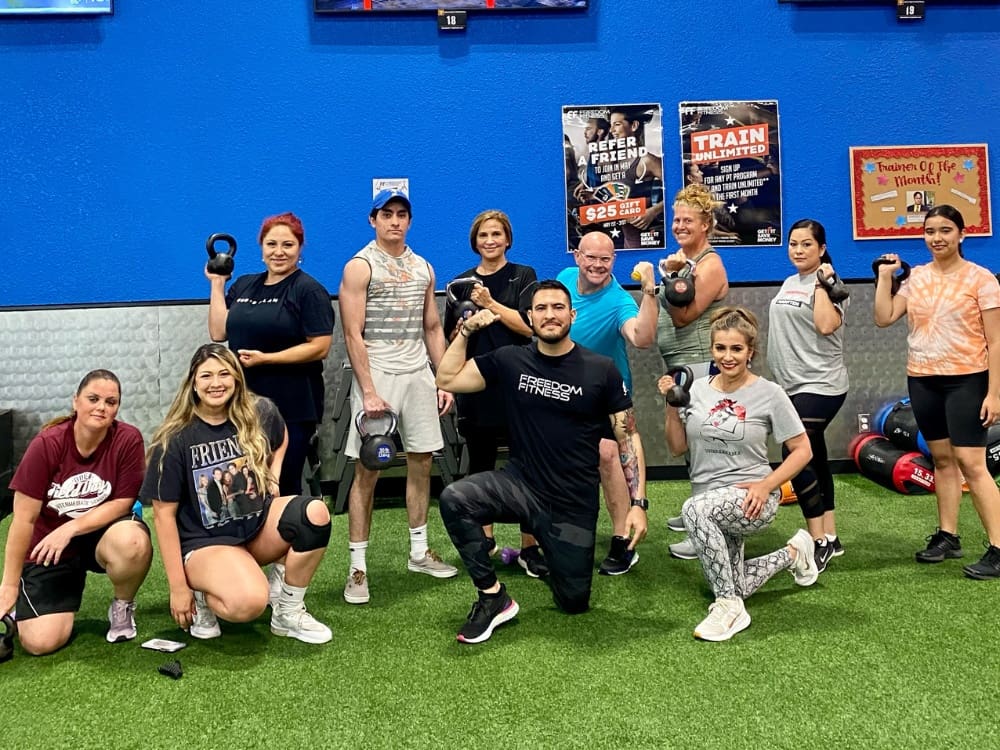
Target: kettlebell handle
pixel 463 281
pixel 684 370
pixel 688 270
pixel 220 237
pixel 361 422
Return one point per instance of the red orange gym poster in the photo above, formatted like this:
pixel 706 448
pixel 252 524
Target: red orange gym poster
pixel 613 156
pixel 892 187
pixel 733 148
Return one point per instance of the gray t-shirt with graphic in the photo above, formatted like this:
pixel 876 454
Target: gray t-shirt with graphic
pixel 802 360
pixel 727 432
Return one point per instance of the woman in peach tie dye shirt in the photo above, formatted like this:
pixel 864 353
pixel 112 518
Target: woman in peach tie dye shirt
pixel 952 309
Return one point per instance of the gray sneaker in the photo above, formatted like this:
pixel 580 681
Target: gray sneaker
pixel 684 550
pixel 121 616
pixel 275 577
pixel 205 625
pixel 356 590
pixel 431 564
pixel 804 569
pixel 299 624
pixel 676 523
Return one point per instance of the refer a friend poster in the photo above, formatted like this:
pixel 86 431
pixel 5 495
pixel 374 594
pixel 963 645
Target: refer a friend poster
pixel 614 174
pixel 733 149
pixel 894 186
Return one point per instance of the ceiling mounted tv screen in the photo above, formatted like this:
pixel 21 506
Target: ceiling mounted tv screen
pixel 55 7
pixel 401 6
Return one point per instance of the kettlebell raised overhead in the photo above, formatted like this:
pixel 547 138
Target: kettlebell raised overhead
pixel 7 639
pixel 462 308
pixel 377 449
pixel 898 278
pixel 221 264
pixel 680 392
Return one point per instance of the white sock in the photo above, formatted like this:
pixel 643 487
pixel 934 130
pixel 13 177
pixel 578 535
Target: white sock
pixel 830 537
pixel 358 551
pixel 291 597
pixel 418 542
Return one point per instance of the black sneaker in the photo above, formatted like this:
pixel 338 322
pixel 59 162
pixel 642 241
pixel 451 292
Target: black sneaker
pixel 491 546
pixel 988 567
pixel 620 558
pixel 836 546
pixel 940 545
pixel 488 612
pixel 530 558
pixel 824 553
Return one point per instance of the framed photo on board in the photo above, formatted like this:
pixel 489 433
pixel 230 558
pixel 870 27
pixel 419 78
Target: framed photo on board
pixel 892 187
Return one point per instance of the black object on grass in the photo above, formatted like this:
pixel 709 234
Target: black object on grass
pixel 171 669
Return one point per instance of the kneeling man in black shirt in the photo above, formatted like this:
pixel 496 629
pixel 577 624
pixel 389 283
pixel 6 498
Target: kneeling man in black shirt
pixel 558 399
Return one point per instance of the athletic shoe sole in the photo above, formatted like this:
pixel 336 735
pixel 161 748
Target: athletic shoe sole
pixel 949 555
pixel 416 568
pixel 679 528
pixel 739 624
pixel 305 637
pixel 527 569
pixel 205 635
pixel 683 556
pixel 972 573
pixel 505 615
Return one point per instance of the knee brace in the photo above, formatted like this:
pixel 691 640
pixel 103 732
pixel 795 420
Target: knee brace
pixel 295 527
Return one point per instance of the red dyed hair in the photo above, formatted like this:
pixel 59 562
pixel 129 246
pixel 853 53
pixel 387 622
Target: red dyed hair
pixel 290 220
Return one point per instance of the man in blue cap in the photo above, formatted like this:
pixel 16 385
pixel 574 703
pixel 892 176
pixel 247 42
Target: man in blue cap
pixel 393 334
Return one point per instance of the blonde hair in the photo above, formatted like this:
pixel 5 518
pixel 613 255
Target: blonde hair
pixel 736 319
pixel 241 411
pixel 700 198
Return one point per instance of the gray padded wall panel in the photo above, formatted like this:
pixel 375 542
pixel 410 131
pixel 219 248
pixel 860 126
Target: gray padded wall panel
pixel 46 352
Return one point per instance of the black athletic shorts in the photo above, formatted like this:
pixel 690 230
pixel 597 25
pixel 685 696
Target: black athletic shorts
pixel 947 406
pixel 50 589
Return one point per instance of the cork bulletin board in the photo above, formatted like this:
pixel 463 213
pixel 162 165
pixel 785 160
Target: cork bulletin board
pixel 892 187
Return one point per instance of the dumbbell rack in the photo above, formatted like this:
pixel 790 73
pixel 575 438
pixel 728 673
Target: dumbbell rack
pixel 446 459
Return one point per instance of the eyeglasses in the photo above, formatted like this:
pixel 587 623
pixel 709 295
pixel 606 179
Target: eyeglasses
pixel 604 260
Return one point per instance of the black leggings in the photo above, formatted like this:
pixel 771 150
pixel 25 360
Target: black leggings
pixel 299 435
pixel 814 484
pixel 566 535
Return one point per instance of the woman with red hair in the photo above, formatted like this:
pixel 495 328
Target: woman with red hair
pixel 280 325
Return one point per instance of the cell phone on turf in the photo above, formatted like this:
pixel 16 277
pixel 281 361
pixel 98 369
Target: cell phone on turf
pixel 162 644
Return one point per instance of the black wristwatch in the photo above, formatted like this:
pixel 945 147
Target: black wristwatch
pixel 640 502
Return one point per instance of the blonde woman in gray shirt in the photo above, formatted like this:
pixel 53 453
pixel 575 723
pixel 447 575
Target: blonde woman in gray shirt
pixel 734 492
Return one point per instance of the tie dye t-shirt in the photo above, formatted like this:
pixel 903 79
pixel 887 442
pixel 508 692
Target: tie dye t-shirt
pixel 944 312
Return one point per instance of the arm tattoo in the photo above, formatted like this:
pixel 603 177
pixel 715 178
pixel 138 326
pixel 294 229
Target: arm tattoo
pixel 623 423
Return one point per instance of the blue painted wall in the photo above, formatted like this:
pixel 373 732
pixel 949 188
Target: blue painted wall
pixel 126 140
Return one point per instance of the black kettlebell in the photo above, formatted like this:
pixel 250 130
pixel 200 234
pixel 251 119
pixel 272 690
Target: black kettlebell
pixel 678 288
pixel 898 278
pixel 836 290
pixel 221 264
pixel 7 639
pixel 463 308
pixel 377 449
pixel 680 392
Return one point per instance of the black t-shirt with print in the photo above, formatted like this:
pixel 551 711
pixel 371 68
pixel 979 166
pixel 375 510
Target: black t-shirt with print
pixel 557 412
pixel 211 510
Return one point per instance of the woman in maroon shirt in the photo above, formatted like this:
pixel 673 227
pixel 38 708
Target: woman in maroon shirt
pixel 73 496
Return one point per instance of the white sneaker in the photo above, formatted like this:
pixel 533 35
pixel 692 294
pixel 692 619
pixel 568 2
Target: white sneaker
pixel 684 550
pixel 726 618
pixel 804 569
pixel 299 624
pixel 676 523
pixel 356 588
pixel 205 625
pixel 431 564
pixel 275 577
pixel 121 620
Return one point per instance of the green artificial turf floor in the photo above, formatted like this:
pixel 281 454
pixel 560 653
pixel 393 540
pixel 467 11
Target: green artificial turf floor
pixel 881 652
